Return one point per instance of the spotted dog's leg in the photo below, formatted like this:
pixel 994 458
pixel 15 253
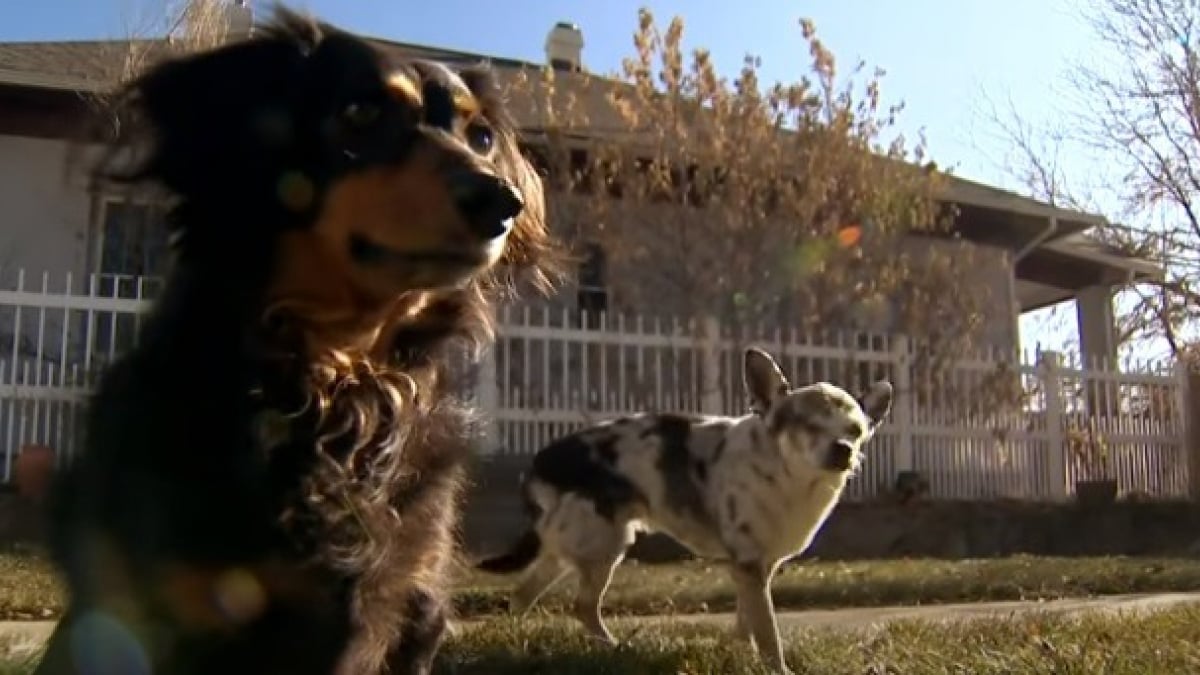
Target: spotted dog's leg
pixel 545 572
pixel 594 577
pixel 752 579
pixel 593 540
pixel 741 626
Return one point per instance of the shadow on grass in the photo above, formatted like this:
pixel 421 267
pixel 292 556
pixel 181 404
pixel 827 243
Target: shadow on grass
pixel 502 662
pixel 506 647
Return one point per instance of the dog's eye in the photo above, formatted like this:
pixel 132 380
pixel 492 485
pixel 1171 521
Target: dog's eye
pixel 480 137
pixel 360 114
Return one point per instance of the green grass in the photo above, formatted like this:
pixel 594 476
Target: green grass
pixel 1134 644
pixel 696 587
pixel 28 589
pixel 1157 643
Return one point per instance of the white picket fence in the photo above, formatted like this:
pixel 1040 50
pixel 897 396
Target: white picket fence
pixel 552 371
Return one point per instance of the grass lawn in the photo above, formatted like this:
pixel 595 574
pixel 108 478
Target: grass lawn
pixel 1150 644
pixel 1138 644
pixel 696 587
pixel 29 591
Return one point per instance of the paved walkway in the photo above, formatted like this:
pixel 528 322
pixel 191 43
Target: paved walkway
pixel 29 635
pixel 865 618
pixel 860 618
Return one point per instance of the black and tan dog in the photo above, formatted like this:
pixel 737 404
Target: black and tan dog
pixel 751 491
pixel 270 478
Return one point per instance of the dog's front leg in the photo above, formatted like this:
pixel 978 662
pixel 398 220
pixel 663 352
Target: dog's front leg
pixel 753 583
pixel 741 626
pixel 422 635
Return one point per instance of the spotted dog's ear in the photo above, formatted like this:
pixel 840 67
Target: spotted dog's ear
pixel 876 402
pixel 765 382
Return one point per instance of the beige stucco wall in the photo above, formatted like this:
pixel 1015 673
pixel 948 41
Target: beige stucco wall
pixel 44 232
pixel 44 210
pixel 989 272
pixel 987 267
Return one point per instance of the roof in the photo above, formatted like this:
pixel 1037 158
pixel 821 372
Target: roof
pixel 94 66
pixel 971 192
pixel 79 66
pixel 1082 245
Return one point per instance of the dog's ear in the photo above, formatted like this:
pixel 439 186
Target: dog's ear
pixel 765 382
pixel 203 110
pixel 877 402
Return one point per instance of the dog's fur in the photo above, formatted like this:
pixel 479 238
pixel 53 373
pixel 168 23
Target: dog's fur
pixel 751 491
pixel 270 479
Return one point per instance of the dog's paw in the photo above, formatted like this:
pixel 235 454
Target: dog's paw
pixel 624 645
pixel 607 641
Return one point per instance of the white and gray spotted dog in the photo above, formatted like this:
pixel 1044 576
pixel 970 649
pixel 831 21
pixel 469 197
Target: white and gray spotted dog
pixel 751 491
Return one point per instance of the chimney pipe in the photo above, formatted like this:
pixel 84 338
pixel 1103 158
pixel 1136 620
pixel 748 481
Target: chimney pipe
pixel 240 19
pixel 564 47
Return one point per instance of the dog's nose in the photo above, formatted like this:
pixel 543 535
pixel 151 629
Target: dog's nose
pixel 840 454
pixel 486 201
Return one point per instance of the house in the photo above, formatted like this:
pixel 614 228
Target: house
pixel 54 220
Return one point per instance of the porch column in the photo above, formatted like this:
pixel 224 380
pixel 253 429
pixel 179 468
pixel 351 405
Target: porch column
pixel 1014 303
pixel 1096 325
pixel 1097 344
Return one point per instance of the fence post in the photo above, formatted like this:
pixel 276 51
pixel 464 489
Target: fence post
pixel 1056 460
pixel 487 393
pixel 1189 382
pixel 711 401
pixel 903 407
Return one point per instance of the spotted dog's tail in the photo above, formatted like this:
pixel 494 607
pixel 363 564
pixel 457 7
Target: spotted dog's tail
pixel 526 548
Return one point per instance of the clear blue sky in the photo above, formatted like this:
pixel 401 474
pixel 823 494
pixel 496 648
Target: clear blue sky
pixel 940 55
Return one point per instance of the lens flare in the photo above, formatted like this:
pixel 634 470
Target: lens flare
pixel 102 645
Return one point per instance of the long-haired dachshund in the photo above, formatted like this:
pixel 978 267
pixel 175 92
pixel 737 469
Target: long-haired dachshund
pixel 270 480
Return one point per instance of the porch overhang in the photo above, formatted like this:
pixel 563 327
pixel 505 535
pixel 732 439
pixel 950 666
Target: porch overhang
pixel 1056 271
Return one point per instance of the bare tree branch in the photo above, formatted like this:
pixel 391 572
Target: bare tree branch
pixel 1136 108
pixel 752 201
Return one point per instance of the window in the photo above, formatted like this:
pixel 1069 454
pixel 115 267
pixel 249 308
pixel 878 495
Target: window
pixel 592 295
pixel 132 243
pixel 129 254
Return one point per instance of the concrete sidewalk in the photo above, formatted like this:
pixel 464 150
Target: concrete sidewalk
pixel 860 618
pixel 23 637
pixel 26 636
pixel 866 618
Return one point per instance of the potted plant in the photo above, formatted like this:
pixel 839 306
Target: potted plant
pixel 1094 484
pixel 32 470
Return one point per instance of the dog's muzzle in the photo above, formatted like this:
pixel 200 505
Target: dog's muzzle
pixel 488 202
pixel 840 456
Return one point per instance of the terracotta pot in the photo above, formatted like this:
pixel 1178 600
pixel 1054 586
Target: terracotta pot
pixel 32 471
pixel 1096 492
